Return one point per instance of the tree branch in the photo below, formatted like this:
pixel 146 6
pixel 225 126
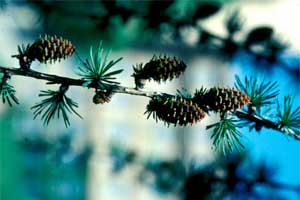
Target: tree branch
pixel 261 121
pixel 54 79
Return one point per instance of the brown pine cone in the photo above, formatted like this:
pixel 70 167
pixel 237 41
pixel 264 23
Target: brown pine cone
pixel 159 69
pixel 174 110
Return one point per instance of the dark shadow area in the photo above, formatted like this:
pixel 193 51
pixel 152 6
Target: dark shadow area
pixel 232 177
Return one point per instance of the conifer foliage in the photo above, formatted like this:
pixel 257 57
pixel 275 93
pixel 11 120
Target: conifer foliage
pixel 7 91
pixel 55 103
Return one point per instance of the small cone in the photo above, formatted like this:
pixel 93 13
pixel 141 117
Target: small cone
pixel 50 49
pixel 225 99
pixel 102 97
pixel 159 69
pixel 175 110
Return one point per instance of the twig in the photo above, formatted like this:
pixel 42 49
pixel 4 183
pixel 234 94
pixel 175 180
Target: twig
pixel 262 121
pixel 54 79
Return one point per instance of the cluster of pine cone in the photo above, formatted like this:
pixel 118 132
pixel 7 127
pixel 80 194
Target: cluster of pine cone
pixel 170 109
pixel 183 111
pixel 180 110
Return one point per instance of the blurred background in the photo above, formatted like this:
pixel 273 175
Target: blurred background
pixel 115 152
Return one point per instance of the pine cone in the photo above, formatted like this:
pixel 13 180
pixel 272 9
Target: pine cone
pixel 102 97
pixel 224 99
pixel 50 49
pixel 159 69
pixel 175 110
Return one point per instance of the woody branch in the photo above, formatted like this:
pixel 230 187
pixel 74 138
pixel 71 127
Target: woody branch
pixel 54 79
